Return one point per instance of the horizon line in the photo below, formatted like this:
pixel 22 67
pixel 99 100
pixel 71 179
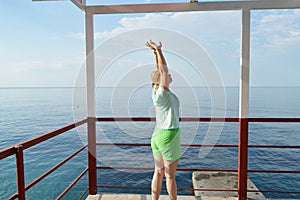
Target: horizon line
pixel 237 86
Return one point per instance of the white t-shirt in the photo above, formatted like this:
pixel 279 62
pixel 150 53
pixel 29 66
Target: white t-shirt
pixel 167 108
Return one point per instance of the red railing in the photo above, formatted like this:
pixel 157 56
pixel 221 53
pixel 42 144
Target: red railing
pixel 200 169
pixel 18 149
pixel 189 119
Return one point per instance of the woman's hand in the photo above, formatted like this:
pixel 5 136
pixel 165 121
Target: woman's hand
pixel 153 45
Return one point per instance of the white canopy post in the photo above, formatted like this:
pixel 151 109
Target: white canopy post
pixel 91 113
pixel 244 106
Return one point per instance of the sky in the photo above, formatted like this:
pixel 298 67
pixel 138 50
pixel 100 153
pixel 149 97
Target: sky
pixel 42 44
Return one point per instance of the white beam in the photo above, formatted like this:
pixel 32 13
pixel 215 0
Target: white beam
pixel 245 63
pixel 199 6
pixel 79 3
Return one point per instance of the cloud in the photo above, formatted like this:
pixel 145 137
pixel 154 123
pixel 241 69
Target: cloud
pixel 274 28
pixel 43 64
pixel 275 45
pixel 199 25
pixel 194 24
pixel 217 32
pixel 76 35
pixel 277 30
pixel 53 71
pixel 273 33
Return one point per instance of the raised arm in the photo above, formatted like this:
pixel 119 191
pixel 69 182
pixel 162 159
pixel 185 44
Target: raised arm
pixel 156 60
pixel 161 64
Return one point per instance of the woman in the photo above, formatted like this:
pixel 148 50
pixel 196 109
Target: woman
pixel 165 140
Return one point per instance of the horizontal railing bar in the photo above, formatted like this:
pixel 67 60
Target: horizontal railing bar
pixel 207 119
pixel 9 151
pixel 55 167
pixel 34 141
pixel 51 134
pixel 198 119
pixel 84 192
pixel 274 171
pixel 272 147
pixel 125 119
pixel 152 119
pixel 278 120
pixel 125 168
pixel 178 169
pixel 12 197
pixel 124 187
pixel 27 187
pixel 198 189
pixel 184 145
pixel 122 144
pixel 198 145
pixel 208 189
pixel 72 184
pixel 41 138
pixel 275 191
pixel 147 188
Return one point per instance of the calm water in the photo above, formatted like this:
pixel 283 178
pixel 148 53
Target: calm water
pixel 28 112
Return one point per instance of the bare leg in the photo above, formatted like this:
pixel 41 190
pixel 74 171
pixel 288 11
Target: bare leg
pixel 170 171
pixel 157 177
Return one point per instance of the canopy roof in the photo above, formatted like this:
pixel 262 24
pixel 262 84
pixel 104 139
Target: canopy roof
pixel 138 6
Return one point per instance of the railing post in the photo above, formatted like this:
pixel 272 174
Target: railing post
pixel 20 172
pixel 243 160
pixel 90 83
pixel 244 106
pixel 92 164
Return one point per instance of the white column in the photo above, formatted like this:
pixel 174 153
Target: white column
pixel 90 65
pixel 91 114
pixel 245 63
pixel 244 106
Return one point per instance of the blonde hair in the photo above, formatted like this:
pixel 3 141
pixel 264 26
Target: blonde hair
pixel 155 77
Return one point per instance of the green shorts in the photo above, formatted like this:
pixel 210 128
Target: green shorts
pixel 166 143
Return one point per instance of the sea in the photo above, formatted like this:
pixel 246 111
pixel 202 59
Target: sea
pixel 29 112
